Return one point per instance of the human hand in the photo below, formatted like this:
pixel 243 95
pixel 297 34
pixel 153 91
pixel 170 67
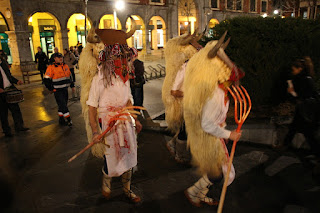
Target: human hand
pixel 19 82
pixel 73 89
pixel 1 90
pixel 235 136
pixel 138 126
pixel 95 137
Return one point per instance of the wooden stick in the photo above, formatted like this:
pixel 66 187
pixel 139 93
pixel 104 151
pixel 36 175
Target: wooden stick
pixel 242 117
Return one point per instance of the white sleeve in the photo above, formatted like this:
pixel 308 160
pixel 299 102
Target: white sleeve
pixel 210 117
pixel 178 82
pixel 94 94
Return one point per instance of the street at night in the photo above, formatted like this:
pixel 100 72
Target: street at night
pixel 160 106
pixel 34 164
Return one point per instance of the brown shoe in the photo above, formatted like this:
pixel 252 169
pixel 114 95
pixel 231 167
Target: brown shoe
pixel 132 196
pixel 106 195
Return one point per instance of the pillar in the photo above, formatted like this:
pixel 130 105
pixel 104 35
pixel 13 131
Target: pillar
pixel 20 51
pixel 65 39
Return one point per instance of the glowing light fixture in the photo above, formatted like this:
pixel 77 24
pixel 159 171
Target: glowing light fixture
pixel 276 12
pixel 264 15
pixel 186 23
pixel 119 5
pixel 30 19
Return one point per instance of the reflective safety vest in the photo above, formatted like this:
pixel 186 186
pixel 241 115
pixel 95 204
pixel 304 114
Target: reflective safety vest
pixel 59 74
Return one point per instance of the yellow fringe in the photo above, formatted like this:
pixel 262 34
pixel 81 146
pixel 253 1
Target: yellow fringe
pixel 202 76
pixel 88 69
pixel 175 55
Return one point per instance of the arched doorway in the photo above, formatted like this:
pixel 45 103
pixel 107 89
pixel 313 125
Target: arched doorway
pixel 212 23
pixel 45 31
pixel 187 16
pixel 138 40
pixel 107 22
pixel 4 45
pixel 76 29
pixel 157 35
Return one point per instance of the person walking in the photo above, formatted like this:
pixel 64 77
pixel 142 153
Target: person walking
pixel 307 116
pixel 136 83
pixel 57 79
pixel 56 51
pixel 70 60
pixel 7 81
pixel 42 60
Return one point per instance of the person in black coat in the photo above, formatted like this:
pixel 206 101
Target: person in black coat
pixel 137 82
pixel 307 116
pixel 7 80
pixel 42 60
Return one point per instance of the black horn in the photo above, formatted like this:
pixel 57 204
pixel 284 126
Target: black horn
pixel 213 52
pixel 225 44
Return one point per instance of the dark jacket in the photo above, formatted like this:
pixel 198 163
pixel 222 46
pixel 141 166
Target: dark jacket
pixel 139 80
pixel 6 69
pixel 308 103
pixel 304 86
pixel 42 60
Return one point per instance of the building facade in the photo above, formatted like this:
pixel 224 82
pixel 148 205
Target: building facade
pixel 61 23
pixel 309 9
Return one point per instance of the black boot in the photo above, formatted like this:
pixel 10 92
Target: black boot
pixel 69 121
pixel 62 122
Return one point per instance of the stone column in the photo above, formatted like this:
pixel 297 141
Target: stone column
pixel 64 39
pixel 20 50
pixel 173 30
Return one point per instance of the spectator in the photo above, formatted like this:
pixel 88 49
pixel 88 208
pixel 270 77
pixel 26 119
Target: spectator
pixel 4 55
pixel 70 60
pixel 306 119
pixel 7 81
pixel 56 52
pixel 138 81
pixel 80 47
pixel 42 60
pixel 71 49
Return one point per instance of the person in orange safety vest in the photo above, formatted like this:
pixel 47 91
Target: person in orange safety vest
pixel 57 79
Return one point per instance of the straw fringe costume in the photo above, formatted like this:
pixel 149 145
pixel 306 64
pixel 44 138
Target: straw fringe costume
pixel 205 108
pixel 178 51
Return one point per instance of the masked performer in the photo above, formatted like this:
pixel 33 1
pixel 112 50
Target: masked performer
pixel 177 53
pixel 109 92
pixel 210 72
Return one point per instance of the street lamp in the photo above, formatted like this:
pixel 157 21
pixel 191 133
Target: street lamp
pixel 276 12
pixel 119 5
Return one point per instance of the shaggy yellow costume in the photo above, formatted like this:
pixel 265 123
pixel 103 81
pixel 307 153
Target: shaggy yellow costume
pixel 202 76
pixel 176 53
pixel 88 68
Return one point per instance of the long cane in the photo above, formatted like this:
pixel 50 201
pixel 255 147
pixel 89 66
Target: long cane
pixel 239 95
